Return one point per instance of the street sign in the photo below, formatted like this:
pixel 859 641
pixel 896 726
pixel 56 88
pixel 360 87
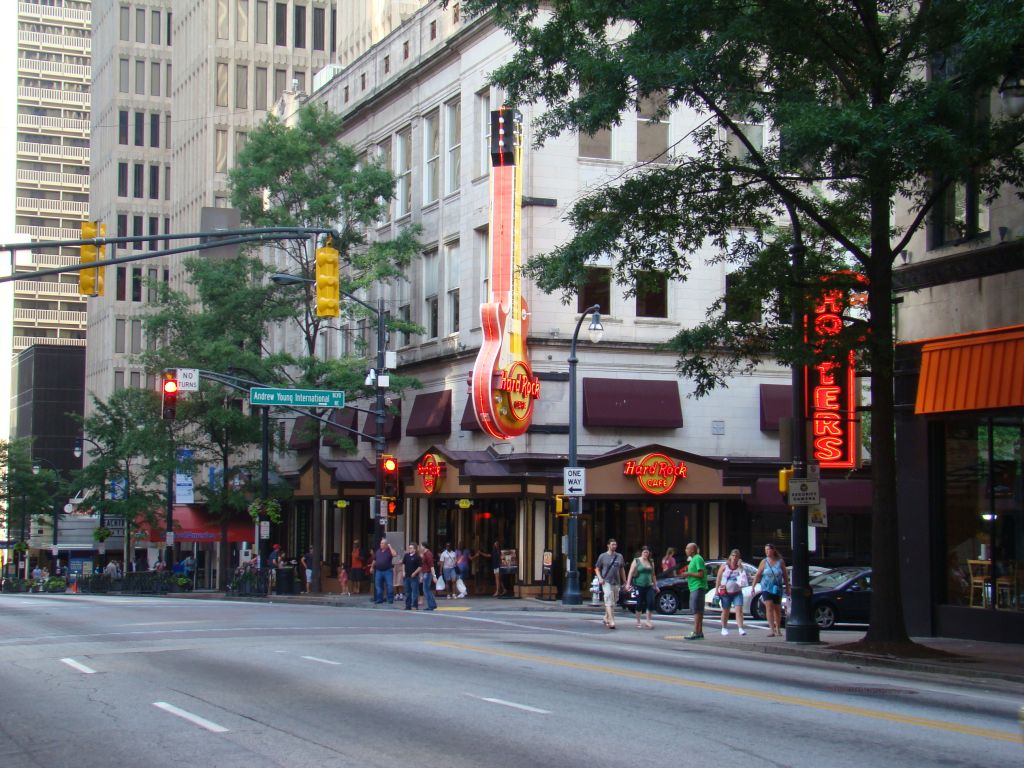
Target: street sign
pixel 817 515
pixel 188 379
pixel 264 530
pixel 297 398
pixel 169 538
pixel 574 481
pixel 802 492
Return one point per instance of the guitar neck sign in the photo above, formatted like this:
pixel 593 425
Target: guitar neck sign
pixel 503 385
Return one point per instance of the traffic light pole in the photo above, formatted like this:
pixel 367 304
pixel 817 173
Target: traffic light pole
pixel 380 442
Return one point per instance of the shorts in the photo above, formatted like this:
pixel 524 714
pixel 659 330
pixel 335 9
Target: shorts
pixel 731 601
pixel 449 576
pixel 611 594
pixel 697 602
pixel 309 575
pixel 497 570
pixel 770 597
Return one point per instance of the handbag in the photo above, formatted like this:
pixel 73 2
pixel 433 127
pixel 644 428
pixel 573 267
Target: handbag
pixel 743 580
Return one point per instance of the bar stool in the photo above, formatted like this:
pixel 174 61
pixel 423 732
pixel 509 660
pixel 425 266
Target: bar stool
pixel 980 575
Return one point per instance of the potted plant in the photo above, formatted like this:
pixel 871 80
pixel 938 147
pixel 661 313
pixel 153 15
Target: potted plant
pixel 269 509
pixel 101 534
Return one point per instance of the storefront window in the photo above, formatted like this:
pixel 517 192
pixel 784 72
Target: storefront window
pixel 983 495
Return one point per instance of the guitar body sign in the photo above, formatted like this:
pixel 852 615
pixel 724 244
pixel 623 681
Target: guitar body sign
pixel 503 387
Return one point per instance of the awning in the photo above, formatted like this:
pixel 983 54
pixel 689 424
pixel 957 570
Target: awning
pixel 841 496
pixel 431 414
pixel 469 422
pixel 346 419
pixel 973 371
pixel 195 524
pixel 350 471
pixel 392 425
pixel 776 404
pixel 301 438
pixel 631 403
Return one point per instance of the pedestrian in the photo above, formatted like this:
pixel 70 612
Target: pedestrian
pixel 499 588
pixel 357 569
pixel 448 561
pixel 773 578
pixel 274 560
pixel 729 586
pixel 668 562
pixel 697 581
pixel 343 581
pixel 383 573
pixel 411 563
pixel 462 566
pixel 641 576
pixel 190 565
pixel 307 564
pixel 611 571
pixel 426 576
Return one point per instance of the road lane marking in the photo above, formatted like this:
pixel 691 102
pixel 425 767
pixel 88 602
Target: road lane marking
pixel 79 666
pixel 453 609
pixel 161 623
pixel 513 705
pixel 202 722
pixel 749 693
pixel 322 661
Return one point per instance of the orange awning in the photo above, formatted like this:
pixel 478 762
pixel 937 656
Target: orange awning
pixel 973 371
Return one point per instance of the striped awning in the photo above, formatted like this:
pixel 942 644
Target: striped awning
pixel 972 371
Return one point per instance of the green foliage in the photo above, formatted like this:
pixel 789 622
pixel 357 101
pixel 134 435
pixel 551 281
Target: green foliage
pixel 25 490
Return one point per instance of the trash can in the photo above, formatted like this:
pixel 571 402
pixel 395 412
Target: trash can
pixel 285 581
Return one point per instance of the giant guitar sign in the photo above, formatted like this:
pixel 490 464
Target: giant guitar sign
pixel 503 385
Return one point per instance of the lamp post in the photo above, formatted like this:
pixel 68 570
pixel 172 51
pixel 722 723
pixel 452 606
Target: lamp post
pixel 571 594
pixel 56 506
pixel 78 452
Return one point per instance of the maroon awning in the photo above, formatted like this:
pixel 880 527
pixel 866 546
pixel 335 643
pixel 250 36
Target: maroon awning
pixel 346 420
pixel 841 496
pixel 303 434
pixel 392 425
pixel 776 404
pixel 631 403
pixel 469 422
pixel 431 414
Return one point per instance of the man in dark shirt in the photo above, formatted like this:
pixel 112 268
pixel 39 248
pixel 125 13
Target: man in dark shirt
pixel 412 562
pixel 383 572
pixel 426 577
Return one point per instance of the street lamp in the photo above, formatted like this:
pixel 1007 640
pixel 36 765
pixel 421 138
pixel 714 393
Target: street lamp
pixel 571 594
pixel 78 452
pixel 56 507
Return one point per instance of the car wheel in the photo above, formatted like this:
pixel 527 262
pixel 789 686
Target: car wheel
pixel 757 608
pixel 825 616
pixel 668 602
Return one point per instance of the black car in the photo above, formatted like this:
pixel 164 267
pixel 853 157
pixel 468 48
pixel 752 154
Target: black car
pixel 841 595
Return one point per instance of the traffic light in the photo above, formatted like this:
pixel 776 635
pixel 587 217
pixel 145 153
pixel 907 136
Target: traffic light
pixel 393 507
pixel 561 506
pixel 785 475
pixel 328 298
pixel 389 476
pixel 170 397
pixel 90 281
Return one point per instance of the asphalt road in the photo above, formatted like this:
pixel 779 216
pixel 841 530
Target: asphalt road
pixel 110 681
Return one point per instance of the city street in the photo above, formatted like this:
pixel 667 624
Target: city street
pixel 109 681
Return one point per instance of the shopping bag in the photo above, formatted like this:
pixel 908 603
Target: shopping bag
pixel 439 585
pixel 461 586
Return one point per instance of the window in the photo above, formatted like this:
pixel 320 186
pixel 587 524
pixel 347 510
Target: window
pixel 240 138
pixel 651 295
pixel 281 24
pixel 261 21
pixel 137 272
pixel 137 328
pixel 140 129
pixel 136 232
pixel 118 380
pixel 651 130
pixel 122 179
pixel 122 272
pixel 125 18
pixel 482 256
pixel 154 78
pixel 221 158
pixel 260 88
pixel 483 130
pixel 430 315
pixel 752 132
pixel 241 86
pixel 280 82
pixel 222 84
pixel 455 13
pixel 362 81
pixel 168 33
pixel 167 186
pixel 433 30
pixel 154 182
pixel 740 306
pixel 431 157
pixel 154 241
pixel 405 315
pixel 122 76
pixel 300 26
pixel 122 127
pixel 452 145
pixel 403 170
pixel 135 379
pixel 334 29
pixel 596 290
pixel 242 21
pixel 346 94
pixel 386 161
pixel 387 65
pixel 138 172
pixel 222 19
pixel 140 77
pixel 154 129
pixel 122 225
pixel 167 231
pixel 152 275
pixel 319 15
pixel 960 215
pixel 597 145
pixel 451 279
pixel 140 25
pixel 299 77
pixel 167 79
pixel 154 27
pixel 119 335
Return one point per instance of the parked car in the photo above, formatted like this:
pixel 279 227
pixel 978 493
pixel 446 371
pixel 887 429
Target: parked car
pixel 841 595
pixel 757 604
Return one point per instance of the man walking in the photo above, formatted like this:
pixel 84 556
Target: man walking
pixel 611 572
pixel 411 562
pixel 383 574
pixel 426 576
pixel 307 565
pixel 696 580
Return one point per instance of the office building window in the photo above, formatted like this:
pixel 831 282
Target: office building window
pixel 152 274
pixel 154 240
pixel 122 76
pixel 167 243
pixel 241 137
pixel 154 78
pixel 120 333
pixel 167 79
pixel 241 86
pixel 140 25
pixel 122 279
pixel 596 290
pixel 433 30
pixel 319 15
pixel 299 76
pixel 431 156
pixel 403 170
pixel 346 94
pixel 261 21
pixel 260 88
pixel 122 225
pixel 222 84
pixel 140 129
pixel 167 184
pixel 334 30
pixel 154 182
pixel 452 279
pixel 137 333
pixel 386 161
pixel 280 82
pixel 651 130
pixel 387 65
pixel 483 130
pixel 140 77
pixel 300 26
pixel 651 295
pixel 137 232
pixel 430 281
pixel 118 380
pixel 740 307
pixel 281 24
pixel 169 30
pixel 221 156
pixel 242 21
pixel 122 179
pixel 598 145
pixel 137 180
pixel 752 132
pixel 122 126
pixel 137 273
pixel 125 26
pixel 362 81
pixel 453 145
pixel 154 129
pixel 482 256
pixel 154 27
pixel 405 315
pixel 222 19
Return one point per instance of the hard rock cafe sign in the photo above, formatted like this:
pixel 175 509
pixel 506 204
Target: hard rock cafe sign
pixel 656 473
pixel 431 469
pixel 503 387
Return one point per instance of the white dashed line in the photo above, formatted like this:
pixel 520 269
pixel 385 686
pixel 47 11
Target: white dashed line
pixel 202 722
pixel 512 704
pixel 80 667
pixel 322 661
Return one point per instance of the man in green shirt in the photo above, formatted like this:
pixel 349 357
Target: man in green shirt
pixel 696 580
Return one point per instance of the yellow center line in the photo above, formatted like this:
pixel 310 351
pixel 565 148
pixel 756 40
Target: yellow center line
pixel 452 609
pixel 750 693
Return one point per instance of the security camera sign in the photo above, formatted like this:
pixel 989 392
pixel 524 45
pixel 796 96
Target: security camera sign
pixel 802 492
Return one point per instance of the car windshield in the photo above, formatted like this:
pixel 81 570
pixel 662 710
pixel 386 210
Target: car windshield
pixel 832 579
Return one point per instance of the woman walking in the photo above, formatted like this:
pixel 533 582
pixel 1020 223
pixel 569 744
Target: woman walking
pixel 641 576
pixel 729 588
pixel 772 576
pixel 668 562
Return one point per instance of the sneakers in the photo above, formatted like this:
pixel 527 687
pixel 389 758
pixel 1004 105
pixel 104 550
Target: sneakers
pixel 695 636
pixel 742 631
pixel 725 632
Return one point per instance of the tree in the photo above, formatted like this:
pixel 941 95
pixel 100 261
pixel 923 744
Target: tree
pixel 869 103
pixel 301 176
pixel 25 491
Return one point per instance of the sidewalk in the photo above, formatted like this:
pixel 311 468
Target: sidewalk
pixel 973 659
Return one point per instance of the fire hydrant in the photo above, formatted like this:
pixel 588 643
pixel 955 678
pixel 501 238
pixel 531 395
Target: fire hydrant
pixel 595 592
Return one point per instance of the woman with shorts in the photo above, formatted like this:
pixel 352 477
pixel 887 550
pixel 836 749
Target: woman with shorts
pixel 729 588
pixel 641 576
pixel 357 565
pixel 774 578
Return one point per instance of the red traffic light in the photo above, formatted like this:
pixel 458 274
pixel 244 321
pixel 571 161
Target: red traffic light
pixel 390 464
pixel 171 386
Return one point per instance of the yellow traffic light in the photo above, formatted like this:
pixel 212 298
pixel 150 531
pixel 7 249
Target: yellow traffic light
pixel 90 281
pixel 328 298
pixel 785 475
pixel 561 506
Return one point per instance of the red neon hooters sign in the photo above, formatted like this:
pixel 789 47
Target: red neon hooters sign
pixel 431 469
pixel 656 473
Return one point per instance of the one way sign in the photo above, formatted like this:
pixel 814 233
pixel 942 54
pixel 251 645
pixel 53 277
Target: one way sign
pixel 574 481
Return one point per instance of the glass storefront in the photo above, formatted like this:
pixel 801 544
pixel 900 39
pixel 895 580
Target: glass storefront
pixel 983 495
